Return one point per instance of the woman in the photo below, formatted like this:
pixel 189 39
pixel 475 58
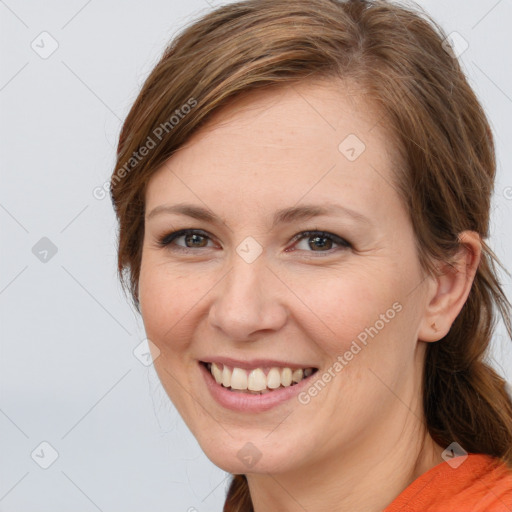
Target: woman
pixel 303 192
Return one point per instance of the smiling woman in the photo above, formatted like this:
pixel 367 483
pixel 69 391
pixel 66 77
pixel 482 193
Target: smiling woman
pixel 306 246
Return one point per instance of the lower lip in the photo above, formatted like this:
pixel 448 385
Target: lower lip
pixel 247 402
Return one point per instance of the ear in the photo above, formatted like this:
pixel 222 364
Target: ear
pixel 449 290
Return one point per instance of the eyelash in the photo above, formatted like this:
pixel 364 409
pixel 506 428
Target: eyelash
pixel 166 240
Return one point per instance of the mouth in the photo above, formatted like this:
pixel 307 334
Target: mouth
pixel 256 381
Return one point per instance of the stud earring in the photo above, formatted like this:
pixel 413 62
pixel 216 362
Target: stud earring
pixel 434 327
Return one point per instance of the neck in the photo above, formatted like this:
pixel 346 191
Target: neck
pixel 366 478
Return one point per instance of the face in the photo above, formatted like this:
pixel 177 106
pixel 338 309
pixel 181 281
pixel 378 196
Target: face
pixel 275 242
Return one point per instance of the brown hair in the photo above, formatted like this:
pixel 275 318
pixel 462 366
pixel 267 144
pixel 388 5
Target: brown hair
pixel 397 58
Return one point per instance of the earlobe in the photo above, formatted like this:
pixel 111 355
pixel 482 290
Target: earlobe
pixel 450 288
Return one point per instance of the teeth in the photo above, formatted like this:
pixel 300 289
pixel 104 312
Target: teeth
pixel 216 372
pixel 256 381
pixel 286 377
pixel 297 375
pixel 226 377
pixel 239 379
pixel 274 378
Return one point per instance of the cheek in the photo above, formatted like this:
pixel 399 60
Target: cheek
pixel 347 305
pixel 164 304
pixel 167 312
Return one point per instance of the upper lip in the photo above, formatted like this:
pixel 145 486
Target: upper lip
pixel 254 363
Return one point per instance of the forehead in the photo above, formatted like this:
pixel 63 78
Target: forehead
pixel 314 141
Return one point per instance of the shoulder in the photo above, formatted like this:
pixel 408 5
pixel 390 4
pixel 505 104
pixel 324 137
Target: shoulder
pixel 478 483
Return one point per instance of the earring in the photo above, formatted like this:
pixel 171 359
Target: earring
pixel 434 327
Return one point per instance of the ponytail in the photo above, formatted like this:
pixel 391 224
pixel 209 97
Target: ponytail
pixel 238 498
pixel 465 400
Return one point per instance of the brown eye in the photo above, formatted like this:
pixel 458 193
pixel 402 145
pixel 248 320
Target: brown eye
pixel 193 239
pixel 320 241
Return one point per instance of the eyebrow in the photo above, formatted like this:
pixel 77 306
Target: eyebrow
pixel 283 216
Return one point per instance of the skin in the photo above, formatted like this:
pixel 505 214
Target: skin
pixel 362 439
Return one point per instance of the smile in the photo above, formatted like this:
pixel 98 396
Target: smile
pixel 258 380
pixel 253 388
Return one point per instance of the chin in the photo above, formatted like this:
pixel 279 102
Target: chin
pixel 240 455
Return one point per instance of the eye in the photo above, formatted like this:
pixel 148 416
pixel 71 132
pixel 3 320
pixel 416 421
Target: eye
pixel 320 241
pixel 314 241
pixel 192 238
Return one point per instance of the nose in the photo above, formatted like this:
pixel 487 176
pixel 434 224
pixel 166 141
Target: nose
pixel 248 301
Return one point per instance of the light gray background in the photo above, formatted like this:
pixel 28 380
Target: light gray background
pixel 68 374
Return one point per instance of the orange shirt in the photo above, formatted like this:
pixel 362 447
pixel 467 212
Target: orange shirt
pixel 480 484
